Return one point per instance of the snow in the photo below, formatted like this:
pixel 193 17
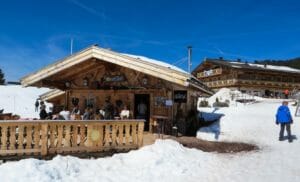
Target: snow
pixel 19 100
pixel 153 61
pixel 228 95
pixel 167 160
pixel 255 123
pixel 270 67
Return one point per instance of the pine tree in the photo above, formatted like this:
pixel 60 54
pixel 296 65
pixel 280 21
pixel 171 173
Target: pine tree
pixel 2 80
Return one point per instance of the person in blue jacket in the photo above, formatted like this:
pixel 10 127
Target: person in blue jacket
pixel 284 118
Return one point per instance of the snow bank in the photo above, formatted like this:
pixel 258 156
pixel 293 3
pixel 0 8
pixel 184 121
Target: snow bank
pixel 166 160
pixel 19 100
pixel 223 95
pixel 245 123
pixel 229 96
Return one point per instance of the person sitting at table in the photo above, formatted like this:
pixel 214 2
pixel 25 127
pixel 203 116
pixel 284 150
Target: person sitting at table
pixel 75 110
pixel 102 113
pixel 125 113
pixel 65 114
pixel 97 115
pixel 87 114
pixel 75 114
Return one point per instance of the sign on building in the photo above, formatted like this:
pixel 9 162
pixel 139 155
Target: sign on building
pixel 180 96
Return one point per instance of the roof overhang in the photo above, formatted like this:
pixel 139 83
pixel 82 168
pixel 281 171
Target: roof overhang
pixel 108 56
pixel 99 54
pixel 51 94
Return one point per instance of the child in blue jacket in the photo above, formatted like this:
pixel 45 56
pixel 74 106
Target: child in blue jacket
pixel 284 118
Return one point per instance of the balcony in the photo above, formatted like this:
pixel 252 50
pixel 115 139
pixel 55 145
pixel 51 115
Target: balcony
pixel 209 73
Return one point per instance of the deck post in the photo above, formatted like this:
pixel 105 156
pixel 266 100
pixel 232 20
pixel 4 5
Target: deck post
pixel 44 138
pixel 140 133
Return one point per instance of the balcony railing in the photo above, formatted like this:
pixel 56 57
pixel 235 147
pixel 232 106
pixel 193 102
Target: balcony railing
pixel 233 82
pixel 208 73
pixel 49 137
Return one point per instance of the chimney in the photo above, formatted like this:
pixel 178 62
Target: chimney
pixel 220 58
pixel 239 60
pixel 265 65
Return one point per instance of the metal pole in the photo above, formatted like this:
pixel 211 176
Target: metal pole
pixel 71 46
pixel 189 58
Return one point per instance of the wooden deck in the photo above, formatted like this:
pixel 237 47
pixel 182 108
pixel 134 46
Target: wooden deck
pixel 46 138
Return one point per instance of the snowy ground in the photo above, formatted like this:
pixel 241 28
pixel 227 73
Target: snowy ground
pixel 16 99
pixel 167 160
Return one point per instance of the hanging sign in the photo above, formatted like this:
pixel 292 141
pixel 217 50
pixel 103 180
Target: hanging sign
pixel 180 96
pixel 114 78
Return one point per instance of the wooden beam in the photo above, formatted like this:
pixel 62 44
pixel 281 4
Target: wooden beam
pixel 70 72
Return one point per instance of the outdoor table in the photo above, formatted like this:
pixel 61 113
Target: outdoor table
pixel 161 121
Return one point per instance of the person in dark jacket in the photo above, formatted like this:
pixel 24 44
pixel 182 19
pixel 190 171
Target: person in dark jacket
pixel 108 109
pixel 36 104
pixel 284 118
pixel 43 113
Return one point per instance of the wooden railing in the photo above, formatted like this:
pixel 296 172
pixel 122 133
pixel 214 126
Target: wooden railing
pixel 50 137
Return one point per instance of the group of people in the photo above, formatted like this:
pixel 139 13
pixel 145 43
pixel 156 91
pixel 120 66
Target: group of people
pixel 283 114
pixel 107 112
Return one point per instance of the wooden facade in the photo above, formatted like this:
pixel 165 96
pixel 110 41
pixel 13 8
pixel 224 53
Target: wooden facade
pixel 94 74
pixel 260 80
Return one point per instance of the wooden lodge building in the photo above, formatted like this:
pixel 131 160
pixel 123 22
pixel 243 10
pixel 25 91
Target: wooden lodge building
pixel 255 79
pixel 90 76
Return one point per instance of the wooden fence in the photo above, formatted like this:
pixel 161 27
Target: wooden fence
pixel 49 137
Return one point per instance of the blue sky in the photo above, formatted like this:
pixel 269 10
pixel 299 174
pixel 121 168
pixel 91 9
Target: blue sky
pixel 35 33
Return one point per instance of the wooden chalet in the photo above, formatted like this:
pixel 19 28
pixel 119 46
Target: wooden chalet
pixel 255 79
pixel 94 74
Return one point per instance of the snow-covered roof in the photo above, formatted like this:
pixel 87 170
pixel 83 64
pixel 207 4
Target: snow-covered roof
pixel 148 66
pixel 161 63
pixel 268 67
pixel 246 65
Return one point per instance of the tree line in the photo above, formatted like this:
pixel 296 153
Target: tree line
pixel 294 63
pixel 2 80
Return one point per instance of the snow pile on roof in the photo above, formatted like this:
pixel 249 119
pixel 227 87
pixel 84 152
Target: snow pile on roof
pixel 271 67
pixel 161 63
pixel 18 100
